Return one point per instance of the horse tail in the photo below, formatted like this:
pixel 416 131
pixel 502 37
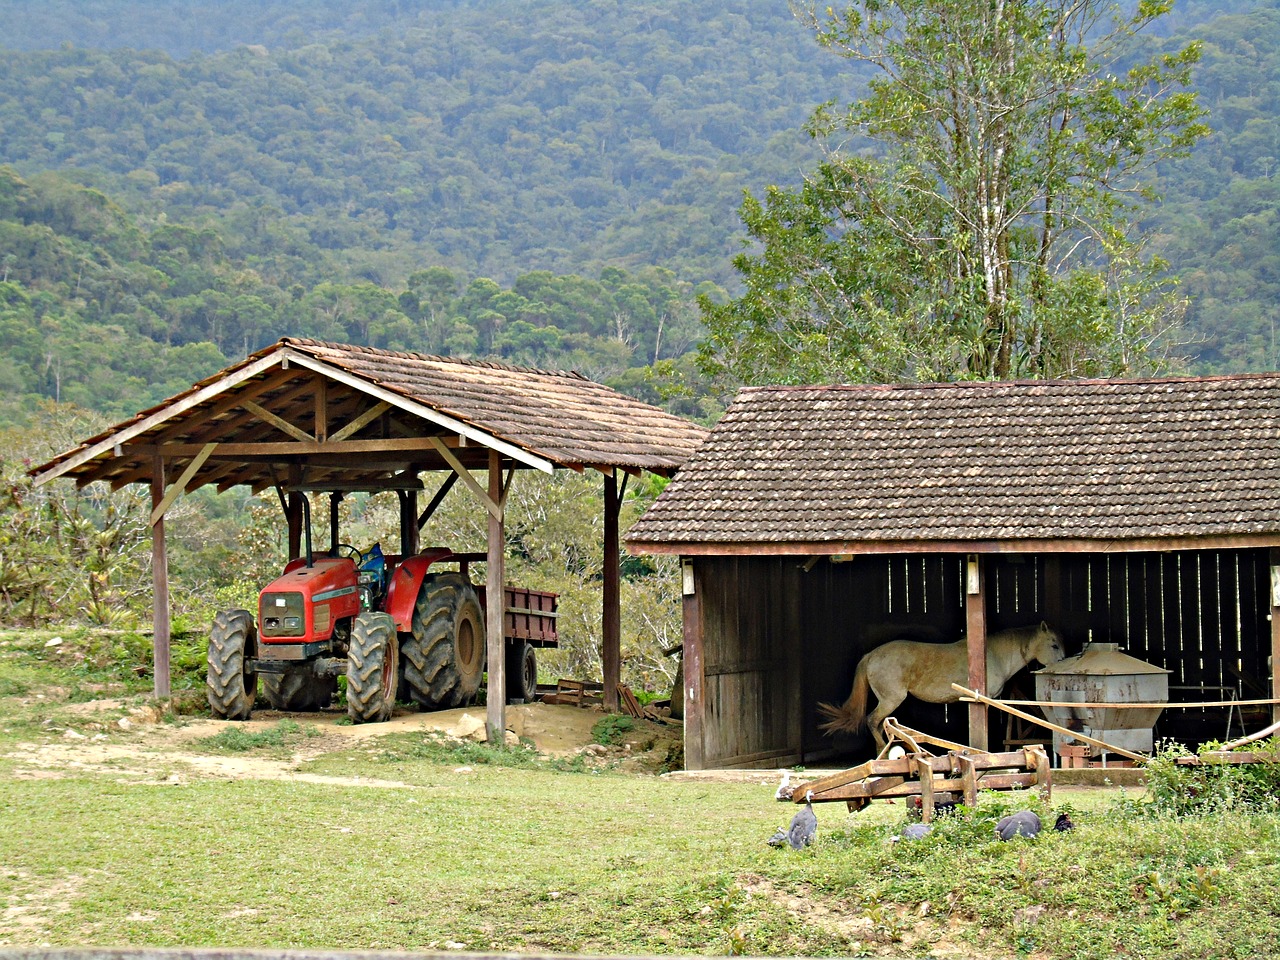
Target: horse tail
pixel 852 714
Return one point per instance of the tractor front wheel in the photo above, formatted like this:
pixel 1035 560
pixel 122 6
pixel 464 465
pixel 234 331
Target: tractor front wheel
pixel 231 685
pixel 373 668
pixel 444 656
pixel 298 690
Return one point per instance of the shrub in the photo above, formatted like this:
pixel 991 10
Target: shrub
pixel 1210 787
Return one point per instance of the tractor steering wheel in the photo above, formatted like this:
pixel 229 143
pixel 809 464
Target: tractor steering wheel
pixel 347 550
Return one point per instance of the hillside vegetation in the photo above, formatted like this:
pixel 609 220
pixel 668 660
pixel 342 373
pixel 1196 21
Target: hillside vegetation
pixel 395 173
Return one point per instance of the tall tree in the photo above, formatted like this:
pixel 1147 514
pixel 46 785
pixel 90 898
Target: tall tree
pixel 972 217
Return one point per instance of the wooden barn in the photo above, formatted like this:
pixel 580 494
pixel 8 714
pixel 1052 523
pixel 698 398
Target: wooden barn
pixel 816 523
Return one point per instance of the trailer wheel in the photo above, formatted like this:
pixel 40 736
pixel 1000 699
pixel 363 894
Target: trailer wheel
pixel 522 672
pixel 230 684
pixel 298 690
pixel 445 655
pixel 373 668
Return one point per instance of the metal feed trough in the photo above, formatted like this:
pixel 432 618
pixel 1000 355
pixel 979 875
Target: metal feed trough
pixel 1103 675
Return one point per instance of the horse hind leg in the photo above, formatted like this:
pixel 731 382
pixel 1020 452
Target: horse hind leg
pixel 875 719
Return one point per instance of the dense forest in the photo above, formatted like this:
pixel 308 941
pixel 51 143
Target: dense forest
pixel 551 183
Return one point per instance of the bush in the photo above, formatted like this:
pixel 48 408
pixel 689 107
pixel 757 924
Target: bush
pixel 1212 787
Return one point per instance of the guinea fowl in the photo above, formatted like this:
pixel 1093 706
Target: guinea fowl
pixel 785 789
pixel 1024 823
pixel 803 828
pixel 915 831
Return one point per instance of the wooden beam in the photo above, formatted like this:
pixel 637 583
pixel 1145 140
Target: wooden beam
pixel 422 411
pixel 276 449
pixel 176 490
pixel 975 617
pixel 362 421
pixel 491 501
pixel 611 624
pixel 495 602
pixel 194 399
pixel 807 548
pixel 445 487
pixel 322 409
pixel 1274 603
pixel 159 587
pixel 693 667
pixel 281 424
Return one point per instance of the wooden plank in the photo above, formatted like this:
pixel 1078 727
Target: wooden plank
pixel 489 500
pixel 146 423
pixel 976 643
pixel 611 609
pixel 377 410
pixel 692 671
pixel 495 577
pixel 322 409
pixel 430 414
pixel 829 548
pixel 1274 582
pixel 281 424
pixel 159 587
pixel 175 491
pixel 1074 734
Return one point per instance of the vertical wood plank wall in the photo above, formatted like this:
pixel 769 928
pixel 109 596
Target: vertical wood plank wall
pixel 780 639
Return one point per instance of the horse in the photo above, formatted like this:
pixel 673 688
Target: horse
pixel 903 668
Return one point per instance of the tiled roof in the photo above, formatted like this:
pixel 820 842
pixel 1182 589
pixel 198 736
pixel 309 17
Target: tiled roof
pixel 957 463
pixel 561 416
pixel 264 413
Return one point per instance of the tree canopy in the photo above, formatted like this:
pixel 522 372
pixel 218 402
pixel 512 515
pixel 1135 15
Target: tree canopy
pixel 971 218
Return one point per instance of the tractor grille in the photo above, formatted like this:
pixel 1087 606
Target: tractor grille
pixel 283 615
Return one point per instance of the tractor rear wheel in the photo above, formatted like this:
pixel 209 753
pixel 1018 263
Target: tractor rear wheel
pixel 444 657
pixel 230 683
pixel 522 672
pixel 298 690
pixel 373 668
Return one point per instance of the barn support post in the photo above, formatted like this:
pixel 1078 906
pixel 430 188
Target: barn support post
pixel 975 618
pixel 495 603
pixel 611 622
pixel 294 512
pixel 335 501
pixel 408 522
pixel 1275 632
pixel 159 585
pixel 694 669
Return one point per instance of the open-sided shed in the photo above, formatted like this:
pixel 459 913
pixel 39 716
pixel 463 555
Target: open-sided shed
pixel 817 522
pixel 307 417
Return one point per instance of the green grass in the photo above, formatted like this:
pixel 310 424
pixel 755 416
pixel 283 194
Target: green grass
pixel 416 842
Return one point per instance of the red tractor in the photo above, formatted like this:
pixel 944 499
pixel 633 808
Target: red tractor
pixel 396 627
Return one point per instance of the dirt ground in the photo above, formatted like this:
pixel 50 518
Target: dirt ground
pixel 105 735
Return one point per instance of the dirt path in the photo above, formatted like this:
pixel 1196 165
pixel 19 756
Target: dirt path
pixel 104 736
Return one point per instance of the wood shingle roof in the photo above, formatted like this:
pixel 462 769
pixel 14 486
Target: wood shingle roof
pixel 1136 464
pixel 356 417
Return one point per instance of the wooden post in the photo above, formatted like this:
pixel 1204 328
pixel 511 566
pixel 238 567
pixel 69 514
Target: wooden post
pixel 335 499
pixel 159 586
pixel 694 752
pixel 495 603
pixel 611 625
pixel 408 522
pixel 295 518
pixel 1275 632
pixel 975 617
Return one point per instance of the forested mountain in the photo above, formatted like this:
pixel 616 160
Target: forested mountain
pixel 549 182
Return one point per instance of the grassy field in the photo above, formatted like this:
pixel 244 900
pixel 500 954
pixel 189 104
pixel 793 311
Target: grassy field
pixel 411 842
